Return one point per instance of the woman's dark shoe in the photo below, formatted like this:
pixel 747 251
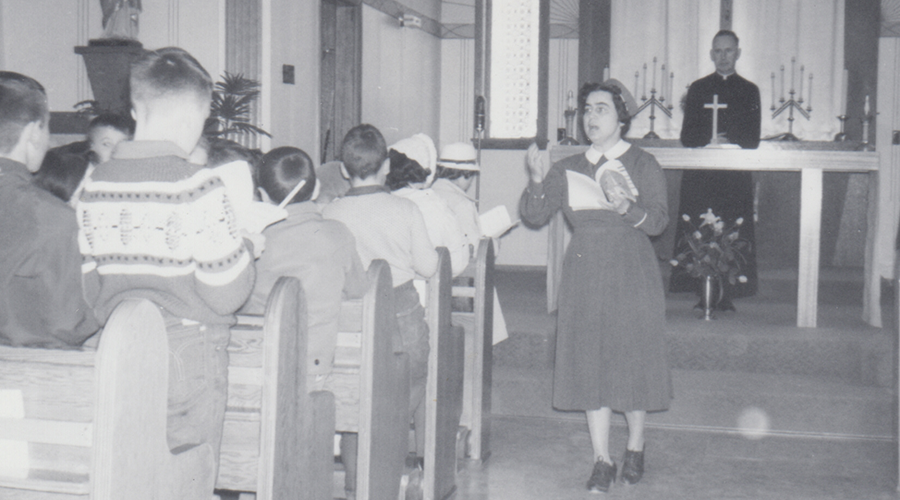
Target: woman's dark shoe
pixel 633 466
pixel 601 477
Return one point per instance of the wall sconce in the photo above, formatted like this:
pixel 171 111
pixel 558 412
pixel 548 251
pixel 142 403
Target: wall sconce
pixel 410 21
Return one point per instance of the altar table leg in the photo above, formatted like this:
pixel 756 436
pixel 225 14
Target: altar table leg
pixel 810 233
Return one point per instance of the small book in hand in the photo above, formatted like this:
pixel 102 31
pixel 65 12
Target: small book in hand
pixel 613 178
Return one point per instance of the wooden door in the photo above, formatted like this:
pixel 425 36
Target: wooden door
pixel 341 73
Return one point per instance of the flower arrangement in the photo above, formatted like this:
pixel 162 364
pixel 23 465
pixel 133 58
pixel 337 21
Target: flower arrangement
pixel 712 248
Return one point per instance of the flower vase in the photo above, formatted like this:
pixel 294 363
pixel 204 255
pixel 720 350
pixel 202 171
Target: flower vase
pixel 710 295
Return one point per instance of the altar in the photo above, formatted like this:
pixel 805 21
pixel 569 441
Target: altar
pixel 810 163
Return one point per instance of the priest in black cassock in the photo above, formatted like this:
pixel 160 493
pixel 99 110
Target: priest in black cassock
pixel 728 193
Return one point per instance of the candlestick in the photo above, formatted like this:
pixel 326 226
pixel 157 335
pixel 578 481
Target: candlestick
pixel 657 96
pixel 791 103
pixel 867 118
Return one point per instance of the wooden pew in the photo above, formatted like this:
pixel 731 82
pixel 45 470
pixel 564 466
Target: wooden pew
pixel 443 394
pixel 478 322
pixel 277 438
pixel 93 423
pixel 370 382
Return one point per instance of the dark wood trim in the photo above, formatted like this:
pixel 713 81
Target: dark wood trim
pixel 861 61
pixel 543 74
pixel 396 9
pixel 522 143
pixel 595 35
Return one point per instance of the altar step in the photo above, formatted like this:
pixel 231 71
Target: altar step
pixel 761 337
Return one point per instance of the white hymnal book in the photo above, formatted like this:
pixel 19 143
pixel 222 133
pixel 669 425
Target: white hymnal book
pixel 252 216
pixel 495 222
pixel 586 193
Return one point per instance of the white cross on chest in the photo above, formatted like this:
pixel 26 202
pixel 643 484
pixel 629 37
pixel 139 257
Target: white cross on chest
pixel 715 107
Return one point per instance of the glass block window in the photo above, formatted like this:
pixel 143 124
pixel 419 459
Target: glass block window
pixel 514 37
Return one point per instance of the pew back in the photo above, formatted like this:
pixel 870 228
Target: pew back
pixel 370 382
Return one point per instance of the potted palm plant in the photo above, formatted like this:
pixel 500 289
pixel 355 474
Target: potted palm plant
pixel 231 111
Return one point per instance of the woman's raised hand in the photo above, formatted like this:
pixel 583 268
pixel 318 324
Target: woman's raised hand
pixel 536 168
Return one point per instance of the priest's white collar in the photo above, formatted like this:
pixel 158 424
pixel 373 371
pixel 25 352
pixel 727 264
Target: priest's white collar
pixel 612 153
pixel 725 77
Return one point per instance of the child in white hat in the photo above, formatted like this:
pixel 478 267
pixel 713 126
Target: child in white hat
pixel 457 167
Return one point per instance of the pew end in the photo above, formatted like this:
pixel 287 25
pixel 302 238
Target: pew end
pixel 277 437
pixel 478 322
pixel 444 386
pixel 93 423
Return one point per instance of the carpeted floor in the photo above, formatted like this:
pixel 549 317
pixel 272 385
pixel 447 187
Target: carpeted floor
pixel 762 409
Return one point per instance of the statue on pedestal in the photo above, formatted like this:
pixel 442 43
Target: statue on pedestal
pixel 121 18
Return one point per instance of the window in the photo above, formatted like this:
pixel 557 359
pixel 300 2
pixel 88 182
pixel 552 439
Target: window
pixel 516 36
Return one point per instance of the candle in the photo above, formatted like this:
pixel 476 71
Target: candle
pixel 637 75
pixel 570 102
pixel 606 72
pixel 653 82
pixel 801 84
pixel 866 107
pixel 793 60
pixel 809 95
pixel 644 88
pixel 662 82
pixel 782 83
pixel 844 93
pixel 773 90
pixel 671 86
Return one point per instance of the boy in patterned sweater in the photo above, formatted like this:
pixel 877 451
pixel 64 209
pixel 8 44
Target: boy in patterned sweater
pixel 154 226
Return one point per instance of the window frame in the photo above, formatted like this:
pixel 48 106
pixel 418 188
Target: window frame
pixel 483 76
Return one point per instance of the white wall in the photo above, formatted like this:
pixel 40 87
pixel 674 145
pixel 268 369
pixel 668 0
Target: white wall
pixel 37 38
pixel 291 36
pixel 401 76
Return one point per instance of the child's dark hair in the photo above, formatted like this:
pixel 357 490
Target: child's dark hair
pixel 122 123
pixel 61 173
pixel 453 173
pixel 22 100
pixel 168 71
pixel 404 171
pixel 621 108
pixel 281 169
pixel 220 151
pixel 363 151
